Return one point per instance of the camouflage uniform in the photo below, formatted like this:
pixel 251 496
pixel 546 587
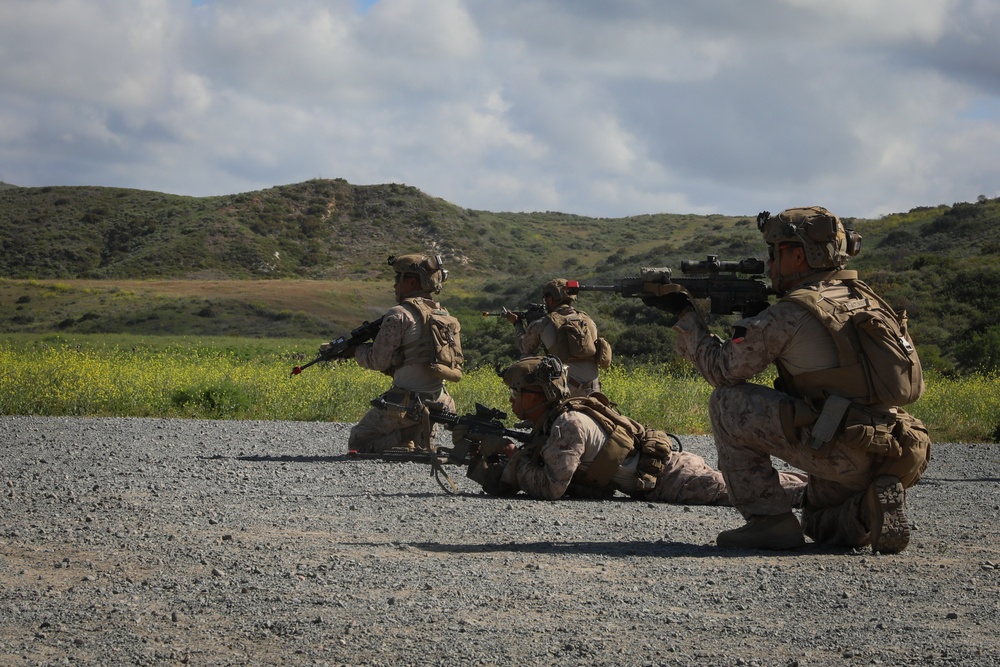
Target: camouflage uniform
pixel 583 377
pixel 572 442
pixel 380 430
pixel 748 428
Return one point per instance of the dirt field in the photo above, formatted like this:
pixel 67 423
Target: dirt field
pixel 164 542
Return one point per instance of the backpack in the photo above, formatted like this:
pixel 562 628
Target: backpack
pixel 441 346
pixel 576 336
pixel 878 361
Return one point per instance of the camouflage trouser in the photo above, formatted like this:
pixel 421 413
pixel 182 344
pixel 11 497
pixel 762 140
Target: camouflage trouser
pixel 688 480
pixel 748 432
pixel 381 430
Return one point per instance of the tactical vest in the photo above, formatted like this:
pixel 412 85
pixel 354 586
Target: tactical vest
pixel 625 435
pixel 878 364
pixel 439 345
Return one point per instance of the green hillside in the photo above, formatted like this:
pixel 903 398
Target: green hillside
pixel 308 259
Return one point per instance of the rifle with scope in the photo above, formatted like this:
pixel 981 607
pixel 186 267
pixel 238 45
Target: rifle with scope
pixel 730 286
pixel 343 347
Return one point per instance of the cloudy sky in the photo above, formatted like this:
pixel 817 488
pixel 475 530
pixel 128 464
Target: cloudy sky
pixel 595 107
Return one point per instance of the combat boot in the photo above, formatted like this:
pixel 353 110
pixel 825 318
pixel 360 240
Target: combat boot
pixel 776 531
pixel 883 509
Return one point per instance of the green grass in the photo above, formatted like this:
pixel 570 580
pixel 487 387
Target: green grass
pixel 238 378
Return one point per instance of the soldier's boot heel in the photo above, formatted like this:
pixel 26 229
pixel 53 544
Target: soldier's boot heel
pixel 780 531
pixel 889 527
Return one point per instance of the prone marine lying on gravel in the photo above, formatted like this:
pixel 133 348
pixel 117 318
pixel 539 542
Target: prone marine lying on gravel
pixel 582 447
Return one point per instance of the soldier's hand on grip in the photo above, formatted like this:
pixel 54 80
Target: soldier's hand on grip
pixel 674 302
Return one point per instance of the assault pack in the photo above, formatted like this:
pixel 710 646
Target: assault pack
pixel 879 365
pixel 441 345
pixel 577 339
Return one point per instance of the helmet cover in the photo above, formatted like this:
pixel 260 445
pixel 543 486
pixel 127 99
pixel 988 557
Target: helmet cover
pixel 557 290
pixel 827 244
pixel 429 268
pixel 549 373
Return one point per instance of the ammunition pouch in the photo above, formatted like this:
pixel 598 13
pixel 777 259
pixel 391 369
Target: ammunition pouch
pixel 899 442
pixel 915 450
pixel 653 455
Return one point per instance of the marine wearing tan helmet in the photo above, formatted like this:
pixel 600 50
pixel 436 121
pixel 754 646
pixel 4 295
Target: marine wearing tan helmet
pixel 556 289
pixel 827 244
pixel 429 269
pixel 548 373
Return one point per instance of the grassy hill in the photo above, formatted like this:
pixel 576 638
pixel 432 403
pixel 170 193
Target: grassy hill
pixel 308 259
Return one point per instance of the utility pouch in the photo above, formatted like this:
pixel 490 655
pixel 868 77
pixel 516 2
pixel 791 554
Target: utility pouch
pixel 877 440
pixel 915 447
pixel 603 356
pixel 653 455
pixel 828 424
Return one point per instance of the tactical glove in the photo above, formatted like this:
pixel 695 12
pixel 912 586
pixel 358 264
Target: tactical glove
pixel 674 302
pixel 488 443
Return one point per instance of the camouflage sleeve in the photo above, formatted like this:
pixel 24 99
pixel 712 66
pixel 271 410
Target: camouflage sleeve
pixel 560 457
pixel 529 338
pixel 380 353
pixel 724 364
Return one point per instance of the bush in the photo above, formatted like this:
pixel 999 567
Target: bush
pixel 213 400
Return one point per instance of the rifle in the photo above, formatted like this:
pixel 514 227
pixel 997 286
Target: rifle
pixel 530 314
pixel 722 284
pixel 338 348
pixel 484 421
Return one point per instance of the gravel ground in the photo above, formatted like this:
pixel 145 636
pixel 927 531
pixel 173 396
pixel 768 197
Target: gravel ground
pixel 162 542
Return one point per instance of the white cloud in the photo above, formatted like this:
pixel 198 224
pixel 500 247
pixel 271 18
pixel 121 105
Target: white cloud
pixel 590 107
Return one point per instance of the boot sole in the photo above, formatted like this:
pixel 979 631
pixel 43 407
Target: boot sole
pixel 890 528
pixel 774 545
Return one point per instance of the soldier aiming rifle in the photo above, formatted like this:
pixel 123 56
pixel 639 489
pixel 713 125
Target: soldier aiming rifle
pixel 730 286
pixel 478 437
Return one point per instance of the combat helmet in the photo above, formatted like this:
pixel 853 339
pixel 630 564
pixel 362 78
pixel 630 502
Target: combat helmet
pixel 430 269
pixel 549 373
pixel 557 290
pixel 827 244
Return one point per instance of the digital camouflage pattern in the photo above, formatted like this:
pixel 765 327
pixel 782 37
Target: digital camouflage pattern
pixel 748 426
pixel 379 430
pixel 573 443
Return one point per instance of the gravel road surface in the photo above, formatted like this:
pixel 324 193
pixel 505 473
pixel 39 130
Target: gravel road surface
pixel 168 542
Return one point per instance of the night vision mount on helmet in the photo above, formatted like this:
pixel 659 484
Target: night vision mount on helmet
pixel 825 240
pixel 430 269
pixel 549 373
